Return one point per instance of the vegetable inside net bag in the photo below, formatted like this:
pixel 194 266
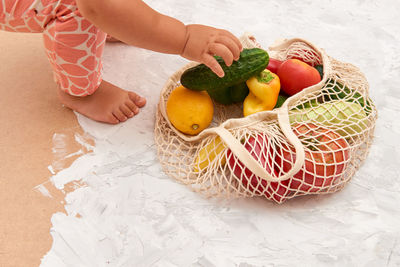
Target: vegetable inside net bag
pixel 312 144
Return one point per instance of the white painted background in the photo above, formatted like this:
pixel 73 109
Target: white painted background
pixel 131 214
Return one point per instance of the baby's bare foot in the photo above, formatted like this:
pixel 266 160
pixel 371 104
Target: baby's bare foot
pixel 109 103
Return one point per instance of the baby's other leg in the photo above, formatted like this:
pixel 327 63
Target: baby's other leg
pixel 74 47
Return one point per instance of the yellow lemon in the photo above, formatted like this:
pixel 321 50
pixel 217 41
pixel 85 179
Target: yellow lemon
pixel 189 111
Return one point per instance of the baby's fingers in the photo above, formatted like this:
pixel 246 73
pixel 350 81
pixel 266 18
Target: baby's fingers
pixel 231 45
pixel 213 64
pixel 233 38
pixel 222 51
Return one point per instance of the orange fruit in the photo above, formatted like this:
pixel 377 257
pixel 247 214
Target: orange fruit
pixel 189 111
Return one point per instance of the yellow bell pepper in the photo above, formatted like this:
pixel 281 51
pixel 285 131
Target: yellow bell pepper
pixel 264 90
pixel 208 153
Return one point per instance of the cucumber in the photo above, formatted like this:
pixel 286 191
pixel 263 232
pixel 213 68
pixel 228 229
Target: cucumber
pixel 239 92
pixel 251 62
pixel 229 95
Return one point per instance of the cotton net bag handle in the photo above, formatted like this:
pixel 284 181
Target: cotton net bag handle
pixel 282 113
pixel 241 152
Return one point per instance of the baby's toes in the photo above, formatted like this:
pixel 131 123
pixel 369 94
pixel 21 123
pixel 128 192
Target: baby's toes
pixel 126 111
pixel 141 101
pixel 132 107
pixel 120 115
pixel 112 119
pixel 138 100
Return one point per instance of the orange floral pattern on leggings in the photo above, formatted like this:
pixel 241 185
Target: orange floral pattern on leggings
pixel 73 45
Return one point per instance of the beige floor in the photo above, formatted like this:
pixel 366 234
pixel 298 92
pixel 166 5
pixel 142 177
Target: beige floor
pixel 30 116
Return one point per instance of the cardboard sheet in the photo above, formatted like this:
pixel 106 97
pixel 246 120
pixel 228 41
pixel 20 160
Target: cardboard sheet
pixel 32 122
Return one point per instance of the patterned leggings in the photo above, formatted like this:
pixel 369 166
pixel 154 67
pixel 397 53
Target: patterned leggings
pixel 73 45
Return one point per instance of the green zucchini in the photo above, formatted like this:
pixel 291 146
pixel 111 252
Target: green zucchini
pixel 251 62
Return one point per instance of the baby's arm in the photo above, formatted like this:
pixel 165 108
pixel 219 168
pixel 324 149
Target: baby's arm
pixel 135 23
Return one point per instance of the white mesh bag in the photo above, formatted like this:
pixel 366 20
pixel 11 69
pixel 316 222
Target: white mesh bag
pixel 313 144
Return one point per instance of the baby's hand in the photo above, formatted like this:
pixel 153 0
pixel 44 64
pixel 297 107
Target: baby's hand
pixel 203 42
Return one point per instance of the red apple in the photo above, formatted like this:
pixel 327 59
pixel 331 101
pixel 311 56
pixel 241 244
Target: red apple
pixel 273 65
pixel 326 157
pixel 262 150
pixel 295 75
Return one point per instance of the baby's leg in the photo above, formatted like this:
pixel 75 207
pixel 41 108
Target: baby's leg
pixel 74 47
